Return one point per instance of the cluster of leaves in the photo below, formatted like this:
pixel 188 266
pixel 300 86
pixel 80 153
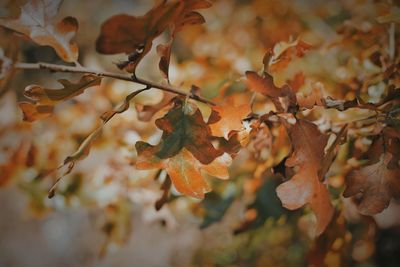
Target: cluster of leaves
pixel 289 131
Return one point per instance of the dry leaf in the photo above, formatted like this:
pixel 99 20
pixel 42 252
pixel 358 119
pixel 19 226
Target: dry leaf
pixel 183 169
pixel 134 35
pixel 230 119
pixel 36 20
pixel 45 98
pixel 304 187
pixel 183 127
pixel 375 184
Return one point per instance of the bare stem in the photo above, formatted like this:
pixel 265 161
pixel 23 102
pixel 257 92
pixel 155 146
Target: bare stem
pixel 124 77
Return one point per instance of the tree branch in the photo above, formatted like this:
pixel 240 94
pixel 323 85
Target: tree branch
pixel 124 77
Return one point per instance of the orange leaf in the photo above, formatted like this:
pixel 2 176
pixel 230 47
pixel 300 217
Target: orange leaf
pixel 36 20
pixel 231 119
pixel 45 98
pixel 183 169
pixel 263 85
pixel 377 183
pixel 304 187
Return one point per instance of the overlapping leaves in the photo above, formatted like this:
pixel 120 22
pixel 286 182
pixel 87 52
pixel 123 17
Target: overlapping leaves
pixel 134 35
pixel 184 150
pixel 37 21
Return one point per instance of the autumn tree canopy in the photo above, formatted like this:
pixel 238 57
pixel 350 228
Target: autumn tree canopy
pixel 293 105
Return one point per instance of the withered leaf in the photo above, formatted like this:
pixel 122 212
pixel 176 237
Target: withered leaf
pixel 183 127
pixel 305 187
pixel 283 53
pixel 46 98
pixel 183 169
pixel 164 51
pixel 36 20
pixel 134 35
pixel 32 112
pixel 230 119
pixel 122 107
pixel 84 148
pixel 187 16
pixel 146 112
pixel 331 152
pixel 263 85
pixel 375 184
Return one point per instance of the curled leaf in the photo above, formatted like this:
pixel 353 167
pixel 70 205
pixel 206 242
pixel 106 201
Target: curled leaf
pixel 45 99
pixel 36 20
pixel 134 35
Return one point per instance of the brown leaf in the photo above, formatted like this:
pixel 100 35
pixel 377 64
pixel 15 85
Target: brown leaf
pixel 375 184
pixel 183 127
pixel 183 169
pixel 284 52
pixel 164 51
pixel 315 98
pixel 32 112
pixel 231 119
pixel 331 152
pixel 186 17
pixel 304 187
pixel 134 35
pixel 263 85
pixel 121 107
pixel 36 20
pixel 45 98
pixel 145 113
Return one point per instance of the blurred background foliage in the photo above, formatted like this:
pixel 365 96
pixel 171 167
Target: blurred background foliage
pixel 104 214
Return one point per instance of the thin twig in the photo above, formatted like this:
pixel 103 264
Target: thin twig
pixel 124 77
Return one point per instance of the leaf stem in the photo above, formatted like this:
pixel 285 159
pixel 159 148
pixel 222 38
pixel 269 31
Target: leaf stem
pixel 124 77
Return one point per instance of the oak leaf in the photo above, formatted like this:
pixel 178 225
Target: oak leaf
pixel 187 16
pixel 265 85
pixel 183 168
pixel 146 112
pixel 376 183
pixel 36 20
pixel 305 187
pixel 183 127
pixel 134 35
pixel 45 98
pixel 230 119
